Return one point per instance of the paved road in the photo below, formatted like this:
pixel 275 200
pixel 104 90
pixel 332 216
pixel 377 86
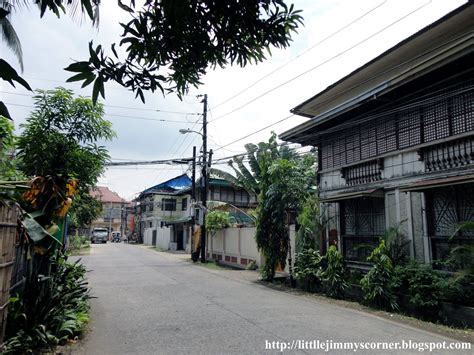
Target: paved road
pixel 156 303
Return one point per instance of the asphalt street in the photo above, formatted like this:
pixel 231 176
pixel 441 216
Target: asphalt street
pixel 152 302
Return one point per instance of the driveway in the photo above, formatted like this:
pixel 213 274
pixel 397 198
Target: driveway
pixel 151 302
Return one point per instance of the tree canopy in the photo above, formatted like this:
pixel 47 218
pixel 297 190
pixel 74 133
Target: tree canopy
pixel 167 45
pixel 58 147
pixel 59 137
pixel 283 181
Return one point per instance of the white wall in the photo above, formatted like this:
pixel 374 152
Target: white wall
pixel 163 237
pixel 238 246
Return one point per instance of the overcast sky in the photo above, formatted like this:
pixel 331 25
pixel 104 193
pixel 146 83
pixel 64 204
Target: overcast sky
pixel 323 51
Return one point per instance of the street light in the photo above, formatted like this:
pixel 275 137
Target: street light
pixel 187 130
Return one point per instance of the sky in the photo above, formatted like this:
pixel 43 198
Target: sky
pixel 338 37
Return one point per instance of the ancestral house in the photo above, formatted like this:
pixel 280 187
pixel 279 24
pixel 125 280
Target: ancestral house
pixel 221 190
pixel 165 214
pixel 395 141
pixel 114 208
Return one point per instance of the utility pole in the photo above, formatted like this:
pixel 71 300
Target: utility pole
pixel 193 200
pixel 203 180
pixel 110 220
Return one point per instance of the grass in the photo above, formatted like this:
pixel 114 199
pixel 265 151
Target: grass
pixel 211 265
pixel 79 245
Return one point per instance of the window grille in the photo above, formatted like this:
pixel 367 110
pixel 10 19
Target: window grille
pixel 434 120
pixel 447 207
pixel 362 223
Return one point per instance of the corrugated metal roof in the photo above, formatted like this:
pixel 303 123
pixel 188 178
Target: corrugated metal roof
pixel 176 184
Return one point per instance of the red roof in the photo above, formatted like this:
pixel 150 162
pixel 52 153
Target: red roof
pixel 105 195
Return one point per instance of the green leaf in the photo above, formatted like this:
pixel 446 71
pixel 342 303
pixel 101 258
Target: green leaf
pixel 78 67
pixel 80 76
pixel 10 75
pixel 98 88
pixel 88 6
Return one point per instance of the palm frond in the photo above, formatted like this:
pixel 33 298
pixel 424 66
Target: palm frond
pixel 226 176
pixel 11 39
pixel 248 179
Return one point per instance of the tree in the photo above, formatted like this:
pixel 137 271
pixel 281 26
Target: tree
pixel 310 224
pixel 57 147
pixel 166 53
pixel 282 180
pixel 284 187
pixel 9 36
pixel 7 31
pixel 84 211
pixel 250 176
pixel 169 45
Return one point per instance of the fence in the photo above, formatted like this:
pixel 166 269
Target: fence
pixel 8 234
pixel 237 246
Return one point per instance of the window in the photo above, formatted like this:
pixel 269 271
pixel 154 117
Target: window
pixel 168 204
pixel 362 222
pixel 447 207
pixel 184 204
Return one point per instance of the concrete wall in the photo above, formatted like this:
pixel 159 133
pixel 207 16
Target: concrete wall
pixel 396 165
pixel 163 237
pixel 237 246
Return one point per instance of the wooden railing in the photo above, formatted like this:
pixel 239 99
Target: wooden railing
pixel 363 173
pixel 453 154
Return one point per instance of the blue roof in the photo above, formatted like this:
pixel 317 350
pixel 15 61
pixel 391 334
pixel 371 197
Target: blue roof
pixel 176 184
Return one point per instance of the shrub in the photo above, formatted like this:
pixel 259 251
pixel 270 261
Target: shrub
pixel 423 285
pixel 51 310
pixel 333 276
pixel 397 246
pixel 77 243
pixel 307 269
pixel 377 284
pixel 216 220
pixel 459 289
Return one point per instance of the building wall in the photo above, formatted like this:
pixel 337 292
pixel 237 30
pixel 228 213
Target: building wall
pixel 163 237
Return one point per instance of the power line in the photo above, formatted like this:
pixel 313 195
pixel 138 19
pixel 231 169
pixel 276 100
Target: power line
pixel 255 132
pixel 115 115
pixel 121 107
pixel 301 54
pixel 150 162
pixel 320 64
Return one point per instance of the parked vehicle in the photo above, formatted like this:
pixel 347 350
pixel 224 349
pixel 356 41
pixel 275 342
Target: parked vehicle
pixel 99 235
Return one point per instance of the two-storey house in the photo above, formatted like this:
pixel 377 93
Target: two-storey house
pixel 113 214
pixel 395 140
pixel 165 214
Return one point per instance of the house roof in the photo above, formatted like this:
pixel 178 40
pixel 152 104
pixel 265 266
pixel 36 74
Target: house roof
pixel 104 194
pixel 172 186
pixel 442 42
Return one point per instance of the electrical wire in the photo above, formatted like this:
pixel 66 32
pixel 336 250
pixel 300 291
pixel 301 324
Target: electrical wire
pixel 116 115
pixel 320 64
pixel 301 54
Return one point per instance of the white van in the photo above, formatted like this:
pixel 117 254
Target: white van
pixel 99 235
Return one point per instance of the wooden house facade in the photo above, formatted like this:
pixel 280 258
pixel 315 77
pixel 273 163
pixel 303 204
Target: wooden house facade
pixel 395 141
